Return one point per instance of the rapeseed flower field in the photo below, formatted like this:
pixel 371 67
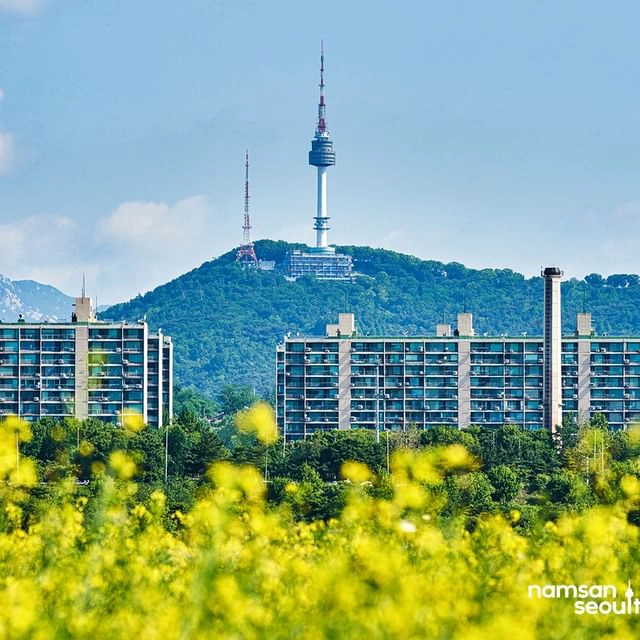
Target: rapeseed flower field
pixel 104 562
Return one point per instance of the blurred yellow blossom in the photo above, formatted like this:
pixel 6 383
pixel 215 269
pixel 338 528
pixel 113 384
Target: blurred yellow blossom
pixel 125 563
pixel 630 486
pixel 132 420
pixel 260 421
pixel 122 464
pixel 355 471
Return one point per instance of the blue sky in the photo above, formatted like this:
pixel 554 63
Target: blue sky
pixel 496 134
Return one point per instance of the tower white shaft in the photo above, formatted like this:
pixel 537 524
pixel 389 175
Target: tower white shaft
pixel 322 239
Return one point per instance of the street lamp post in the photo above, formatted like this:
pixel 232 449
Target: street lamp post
pixel 166 453
pixel 378 367
pixel 17 456
pixel 381 396
pixel 266 463
pixel 284 429
pixel 386 433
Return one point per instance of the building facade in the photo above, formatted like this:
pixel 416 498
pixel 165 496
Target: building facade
pixel 324 265
pixel 85 368
pixel 346 381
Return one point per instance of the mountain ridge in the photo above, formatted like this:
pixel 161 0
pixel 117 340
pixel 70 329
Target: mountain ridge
pixel 36 302
pixel 226 321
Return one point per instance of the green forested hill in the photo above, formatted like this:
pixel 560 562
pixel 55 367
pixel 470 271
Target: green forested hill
pixel 225 322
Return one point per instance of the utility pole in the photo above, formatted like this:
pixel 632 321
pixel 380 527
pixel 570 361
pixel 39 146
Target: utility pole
pixel 166 454
pixel 17 456
pixel 587 461
pixel 378 393
pixel 387 434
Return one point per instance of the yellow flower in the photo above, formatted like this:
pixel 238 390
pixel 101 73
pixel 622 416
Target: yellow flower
pixel 634 433
pixel 355 471
pixel 407 527
pixel 456 456
pixel 25 474
pixel 13 424
pixel 132 420
pixel 260 421
pixel 291 487
pixel 630 486
pixel 86 448
pixel 122 464
pixel 97 468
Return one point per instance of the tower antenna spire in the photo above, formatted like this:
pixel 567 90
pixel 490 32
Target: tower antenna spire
pixel 246 253
pixel 84 287
pixel 322 121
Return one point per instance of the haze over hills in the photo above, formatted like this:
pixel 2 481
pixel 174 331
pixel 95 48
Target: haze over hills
pixel 226 321
pixel 35 301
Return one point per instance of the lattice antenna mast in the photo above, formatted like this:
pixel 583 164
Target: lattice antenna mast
pixel 246 253
pixel 246 236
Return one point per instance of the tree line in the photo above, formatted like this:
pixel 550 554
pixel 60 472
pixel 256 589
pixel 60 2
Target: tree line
pixel 512 469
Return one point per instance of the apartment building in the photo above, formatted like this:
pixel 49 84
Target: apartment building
pixel 85 368
pixel 346 381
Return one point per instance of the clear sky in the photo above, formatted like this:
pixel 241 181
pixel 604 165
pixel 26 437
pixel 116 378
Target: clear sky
pixel 496 133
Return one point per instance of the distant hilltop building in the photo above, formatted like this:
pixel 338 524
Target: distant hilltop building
pixel 347 381
pixel 321 261
pixel 86 368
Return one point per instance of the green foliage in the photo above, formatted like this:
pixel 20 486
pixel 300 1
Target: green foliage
pixel 327 452
pixel 80 448
pixel 469 494
pixel 507 469
pixel 441 436
pixel 199 404
pixel 569 489
pixel 528 452
pixel 505 483
pixel 233 398
pixel 312 499
pixel 226 321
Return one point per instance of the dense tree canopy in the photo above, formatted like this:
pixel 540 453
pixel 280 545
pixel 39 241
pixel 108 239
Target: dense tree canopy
pixel 226 321
pixel 504 468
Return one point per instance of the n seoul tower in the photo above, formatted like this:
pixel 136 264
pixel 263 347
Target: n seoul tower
pixel 322 156
pixel 321 261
